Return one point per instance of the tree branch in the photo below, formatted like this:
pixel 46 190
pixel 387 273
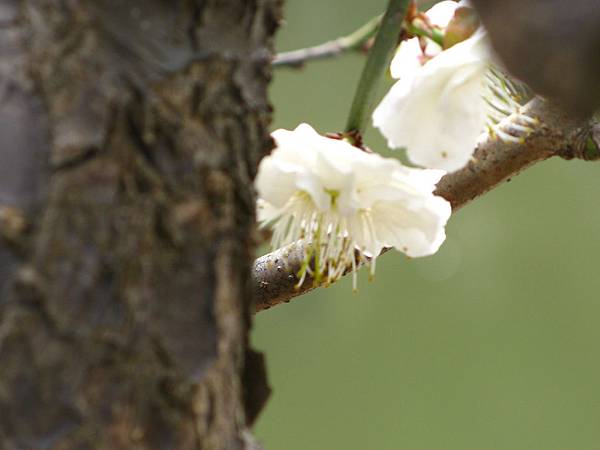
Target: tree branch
pixel 355 41
pixel 494 162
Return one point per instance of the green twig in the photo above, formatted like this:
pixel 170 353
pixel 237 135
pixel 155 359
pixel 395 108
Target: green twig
pixel 433 34
pixel 377 63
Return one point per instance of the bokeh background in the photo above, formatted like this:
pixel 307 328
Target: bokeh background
pixel 492 344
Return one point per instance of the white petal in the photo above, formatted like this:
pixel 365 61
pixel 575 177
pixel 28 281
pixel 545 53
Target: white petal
pixel 424 179
pixel 374 179
pixel 291 168
pixel 266 212
pixel 407 59
pixel 416 231
pixel 276 181
pixel 291 146
pixel 441 13
pixel 311 184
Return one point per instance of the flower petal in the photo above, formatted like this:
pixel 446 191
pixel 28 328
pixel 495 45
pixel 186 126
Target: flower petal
pixel 276 180
pixel 415 231
pixel 441 13
pixel 407 59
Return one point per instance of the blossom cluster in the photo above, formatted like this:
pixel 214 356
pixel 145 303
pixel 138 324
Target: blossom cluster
pixel 347 203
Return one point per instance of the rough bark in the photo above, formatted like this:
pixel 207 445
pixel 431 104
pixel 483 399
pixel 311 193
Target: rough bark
pixel 130 132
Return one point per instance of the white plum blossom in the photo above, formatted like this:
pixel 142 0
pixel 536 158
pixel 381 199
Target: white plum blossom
pixel 346 202
pixel 438 113
pixel 444 102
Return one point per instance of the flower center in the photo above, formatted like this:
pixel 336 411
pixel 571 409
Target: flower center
pixel 333 195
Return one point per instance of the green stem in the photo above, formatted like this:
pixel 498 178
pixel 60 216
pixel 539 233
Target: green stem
pixel 435 35
pixel 377 63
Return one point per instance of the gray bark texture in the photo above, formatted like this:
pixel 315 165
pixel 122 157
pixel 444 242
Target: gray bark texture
pixel 130 133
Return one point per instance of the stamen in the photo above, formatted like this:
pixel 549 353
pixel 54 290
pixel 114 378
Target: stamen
pixel 354 276
pixel 521 128
pixel 529 119
pixel 504 97
pixel 507 137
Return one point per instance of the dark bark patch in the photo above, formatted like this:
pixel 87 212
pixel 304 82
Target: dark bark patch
pixel 552 45
pixel 256 389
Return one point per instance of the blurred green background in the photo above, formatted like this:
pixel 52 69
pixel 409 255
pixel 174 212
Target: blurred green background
pixel 490 344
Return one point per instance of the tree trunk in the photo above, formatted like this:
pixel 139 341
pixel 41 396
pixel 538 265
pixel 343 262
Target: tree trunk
pixel 130 133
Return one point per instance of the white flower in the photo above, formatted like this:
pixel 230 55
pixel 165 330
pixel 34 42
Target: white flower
pixel 439 113
pixel 346 202
pixel 439 108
